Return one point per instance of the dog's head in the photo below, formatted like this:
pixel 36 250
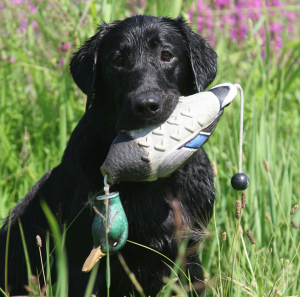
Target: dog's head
pixel 133 71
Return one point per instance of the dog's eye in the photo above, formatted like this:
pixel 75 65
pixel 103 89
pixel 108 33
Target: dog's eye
pixel 166 56
pixel 118 60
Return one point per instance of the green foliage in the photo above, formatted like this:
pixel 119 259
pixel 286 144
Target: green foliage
pixel 40 106
pixel 61 256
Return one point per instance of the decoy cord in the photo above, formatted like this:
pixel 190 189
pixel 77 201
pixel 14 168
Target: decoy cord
pixel 241 126
pixel 106 185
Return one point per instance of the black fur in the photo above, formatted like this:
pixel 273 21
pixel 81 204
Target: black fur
pixel 111 91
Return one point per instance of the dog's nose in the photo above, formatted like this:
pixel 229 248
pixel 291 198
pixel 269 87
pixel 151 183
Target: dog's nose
pixel 146 105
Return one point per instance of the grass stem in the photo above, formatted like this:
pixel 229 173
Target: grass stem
pixel 282 212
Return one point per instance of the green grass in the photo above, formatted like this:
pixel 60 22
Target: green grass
pixel 40 106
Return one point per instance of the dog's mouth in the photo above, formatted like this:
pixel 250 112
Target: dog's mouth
pixel 134 118
pixel 126 124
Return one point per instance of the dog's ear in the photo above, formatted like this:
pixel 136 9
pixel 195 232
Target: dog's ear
pixel 203 58
pixel 83 65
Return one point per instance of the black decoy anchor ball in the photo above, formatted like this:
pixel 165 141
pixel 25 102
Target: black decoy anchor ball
pixel 240 181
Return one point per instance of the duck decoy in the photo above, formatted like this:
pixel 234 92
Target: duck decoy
pixel 158 150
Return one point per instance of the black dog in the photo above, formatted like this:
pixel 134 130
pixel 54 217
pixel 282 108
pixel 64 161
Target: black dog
pixel 133 72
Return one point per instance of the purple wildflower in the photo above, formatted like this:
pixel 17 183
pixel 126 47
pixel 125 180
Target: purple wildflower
pixel 32 7
pixel 35 25
pixel 240 11
pixel 63 47
pixel 204 19
pixel 17 2
pixel 229 19
pixel 61 62
pixel 66 46
pixel 201 6
pixel 199 23
pixel 11 59
pixel 143 3
pixel 240 29
pixel 276 3
pixel 254 9
pixel 276 27
pixel 279 41
pixel 291 18
pixel 23 26
pixel 221 4
pixel 22 17
pixel 2 6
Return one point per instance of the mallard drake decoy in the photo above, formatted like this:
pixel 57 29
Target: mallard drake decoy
pixel 158 150
pixel 117 229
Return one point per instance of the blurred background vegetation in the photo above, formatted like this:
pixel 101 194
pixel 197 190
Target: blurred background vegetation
pixel 258 43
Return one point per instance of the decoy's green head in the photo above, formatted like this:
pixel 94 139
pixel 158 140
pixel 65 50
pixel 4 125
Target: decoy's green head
pixel 117 226
pixel 109 216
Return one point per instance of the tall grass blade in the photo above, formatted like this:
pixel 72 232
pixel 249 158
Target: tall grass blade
pixel 92 279
pixel 25 252
pixel 61 257
pixel 4 294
